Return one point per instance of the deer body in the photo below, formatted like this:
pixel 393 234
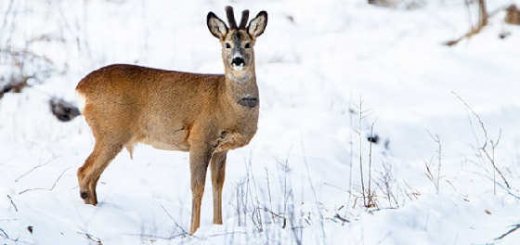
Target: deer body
pixel 177 105
pixel 205 114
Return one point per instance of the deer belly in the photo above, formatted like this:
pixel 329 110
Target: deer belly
pixel 176 141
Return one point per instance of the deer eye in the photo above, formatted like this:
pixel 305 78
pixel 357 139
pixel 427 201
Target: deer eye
pixel 247 45
pixel 228 45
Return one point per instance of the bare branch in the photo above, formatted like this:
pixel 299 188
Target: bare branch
pixel 515 227
pixel 32 169
pixel 483 19
pixel 91 237
pixel 487 141
pixel 12 203
pixel 46 189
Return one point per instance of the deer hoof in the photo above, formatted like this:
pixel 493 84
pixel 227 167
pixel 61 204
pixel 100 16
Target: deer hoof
pixel 88 198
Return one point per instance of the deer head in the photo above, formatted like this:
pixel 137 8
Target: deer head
pixel 237 41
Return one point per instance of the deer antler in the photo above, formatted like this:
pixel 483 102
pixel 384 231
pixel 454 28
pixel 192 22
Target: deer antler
pixel 243 21
pixel 231 17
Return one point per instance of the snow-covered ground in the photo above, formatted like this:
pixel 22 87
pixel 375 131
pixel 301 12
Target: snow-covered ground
pixel 330 73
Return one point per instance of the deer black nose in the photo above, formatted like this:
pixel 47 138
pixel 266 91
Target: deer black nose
pixel 238 61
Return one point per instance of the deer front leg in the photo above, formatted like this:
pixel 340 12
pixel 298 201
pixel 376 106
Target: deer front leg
pixel 199 161
pixel 218 170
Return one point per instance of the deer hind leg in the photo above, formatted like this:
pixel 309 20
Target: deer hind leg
pixel 89 173
pixel 218 171
pixel 199 161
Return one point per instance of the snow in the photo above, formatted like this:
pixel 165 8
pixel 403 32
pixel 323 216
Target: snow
pixel 298 181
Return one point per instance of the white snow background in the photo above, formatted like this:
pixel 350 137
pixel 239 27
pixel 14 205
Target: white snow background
pixel 330 73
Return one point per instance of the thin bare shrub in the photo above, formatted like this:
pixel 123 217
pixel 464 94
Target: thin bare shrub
pixel 486 145
pixel 434 174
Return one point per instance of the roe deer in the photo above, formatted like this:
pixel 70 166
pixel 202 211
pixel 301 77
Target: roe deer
pixel 204 114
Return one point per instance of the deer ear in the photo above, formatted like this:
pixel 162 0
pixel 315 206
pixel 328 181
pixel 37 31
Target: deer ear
pixel 257 25
pixel 216 26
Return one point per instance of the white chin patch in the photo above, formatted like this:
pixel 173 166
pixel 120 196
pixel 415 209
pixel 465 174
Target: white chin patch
pixel 238 68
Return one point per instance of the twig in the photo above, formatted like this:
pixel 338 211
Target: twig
pixel 47 189
pixel 4 234
pixel 91 237
pixel 286 194
pixel 371 202
pixel 370 163
pixel 385 182
pixel 482 22
pixel 32 169
pixel 436 179
pixel 482 13
pixel 255 215
pixel 360 153
pixel 344 220
pixel 470 109
pixel 323 237
pixel 515 227
pixel 351 154
pixel 483 148
pixel 183 231
pixel 12 203
pixel 265 209
pixel 509 191
pixel 491 158
pixel 483 17
pixel 7 14
pixel 269 193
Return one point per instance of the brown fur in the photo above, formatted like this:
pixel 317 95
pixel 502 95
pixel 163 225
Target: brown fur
pixel 199 113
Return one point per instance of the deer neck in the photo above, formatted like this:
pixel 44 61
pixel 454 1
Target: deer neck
pixel 241 88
